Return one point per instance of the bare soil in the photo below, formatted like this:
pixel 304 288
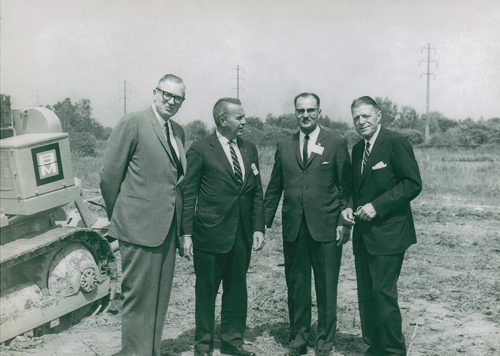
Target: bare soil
pixel 449 294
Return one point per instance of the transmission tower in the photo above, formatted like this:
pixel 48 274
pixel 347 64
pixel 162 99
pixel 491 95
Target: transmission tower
pixel 428 75
pixel 125 97
pixel 238 79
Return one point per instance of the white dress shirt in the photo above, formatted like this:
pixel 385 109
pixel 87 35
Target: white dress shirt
pixel 372 142
pixel 313 137
pixel 225 146
pixel 170 129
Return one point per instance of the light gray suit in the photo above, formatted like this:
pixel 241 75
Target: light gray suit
pixel 140 187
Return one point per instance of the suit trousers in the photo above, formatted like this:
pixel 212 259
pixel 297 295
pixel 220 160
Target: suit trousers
pixel 230 268
pixel 324 258
pixel 146 284
pixel 377 278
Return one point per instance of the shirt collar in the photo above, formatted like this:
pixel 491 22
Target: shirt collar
pixel 223 139
pixel 159 118
pixel 374 137
pixel 313 136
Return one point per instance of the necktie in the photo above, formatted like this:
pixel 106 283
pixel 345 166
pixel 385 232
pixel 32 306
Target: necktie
pixel 178 164
pixel 236 163
pixel 365 155
pixel 304 150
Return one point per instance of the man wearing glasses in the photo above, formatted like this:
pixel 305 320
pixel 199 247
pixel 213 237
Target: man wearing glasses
pixel 312 170
pixel 143 165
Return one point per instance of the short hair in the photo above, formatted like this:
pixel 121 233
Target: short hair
pixel 305 95
pixel 220 107
pixel 171 77
pixel 365 100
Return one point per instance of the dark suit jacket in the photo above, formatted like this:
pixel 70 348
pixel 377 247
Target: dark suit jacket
pixel 317 190
pixel 390 190
pixel 214 201
pixel 139 179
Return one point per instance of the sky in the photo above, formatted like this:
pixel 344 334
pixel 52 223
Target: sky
pixel 341 50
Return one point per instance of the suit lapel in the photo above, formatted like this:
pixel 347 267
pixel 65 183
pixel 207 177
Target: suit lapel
pixel 296 149
pixel 374 153
pixel 159 133
pixel 221 155
pixel 180 147
pixel 319 142
pixel 247 160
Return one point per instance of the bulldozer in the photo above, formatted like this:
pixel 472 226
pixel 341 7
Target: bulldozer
pixel 56 264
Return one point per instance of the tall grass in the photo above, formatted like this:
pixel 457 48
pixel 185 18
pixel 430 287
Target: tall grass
pixel 464 173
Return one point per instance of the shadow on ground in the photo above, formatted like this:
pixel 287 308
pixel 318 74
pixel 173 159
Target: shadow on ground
pixel 346 344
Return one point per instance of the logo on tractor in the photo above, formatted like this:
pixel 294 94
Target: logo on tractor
pixel 47 164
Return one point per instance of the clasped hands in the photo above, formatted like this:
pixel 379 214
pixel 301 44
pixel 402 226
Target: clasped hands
pixel 365 212
pixel 186 250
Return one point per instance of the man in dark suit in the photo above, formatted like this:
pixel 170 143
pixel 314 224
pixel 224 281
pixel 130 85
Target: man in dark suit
pixel 143 165
pixel 223 183
pixel 312 168
pixel 386 178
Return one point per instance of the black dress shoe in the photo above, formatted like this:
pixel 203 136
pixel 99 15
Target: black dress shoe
pixel 296 351
pixel 235 351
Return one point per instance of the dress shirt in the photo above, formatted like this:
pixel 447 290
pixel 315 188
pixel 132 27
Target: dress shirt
pixel 313 137
pixel 225 146
pixel 372 142
pixel 162 125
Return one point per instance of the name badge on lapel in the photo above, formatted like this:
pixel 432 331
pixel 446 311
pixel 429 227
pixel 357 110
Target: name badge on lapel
pixel 317 149
pixel 254 169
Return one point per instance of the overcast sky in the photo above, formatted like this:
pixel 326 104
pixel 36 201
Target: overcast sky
pixel 341 50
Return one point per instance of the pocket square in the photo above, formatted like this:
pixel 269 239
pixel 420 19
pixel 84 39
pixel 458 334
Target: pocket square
pixel 325 162
pixel 379 165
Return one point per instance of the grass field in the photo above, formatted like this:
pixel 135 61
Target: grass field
pixel 449 288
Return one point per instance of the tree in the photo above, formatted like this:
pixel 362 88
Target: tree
pixel 407 118
pixel 195 130
pixel 389 110
pixel 83 129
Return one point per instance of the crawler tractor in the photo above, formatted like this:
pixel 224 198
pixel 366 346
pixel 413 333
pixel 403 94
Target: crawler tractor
pixel 55 263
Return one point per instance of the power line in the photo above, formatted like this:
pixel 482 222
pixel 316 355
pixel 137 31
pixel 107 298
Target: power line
pixel 428 75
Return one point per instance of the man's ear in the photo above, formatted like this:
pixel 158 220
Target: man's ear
pixel 222 121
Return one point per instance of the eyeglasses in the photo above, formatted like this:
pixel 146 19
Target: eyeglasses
pixel 309 111
pixel 167 96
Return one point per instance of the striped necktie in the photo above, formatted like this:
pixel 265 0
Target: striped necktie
pixel 236 163
pixel 365 155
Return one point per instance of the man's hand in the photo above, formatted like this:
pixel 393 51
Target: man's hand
pixel 343 234
pixel 186 250
pixel 348 216
pixel 258 240
pixel 366 212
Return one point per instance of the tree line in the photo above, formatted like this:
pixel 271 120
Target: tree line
pixel 445 132
pixel 85 132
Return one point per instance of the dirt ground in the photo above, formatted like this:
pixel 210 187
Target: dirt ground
pixel 449 294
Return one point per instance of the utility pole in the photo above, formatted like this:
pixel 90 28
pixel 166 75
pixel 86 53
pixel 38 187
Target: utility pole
pixel 238 79
pixel 428 74
pixel 125 96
